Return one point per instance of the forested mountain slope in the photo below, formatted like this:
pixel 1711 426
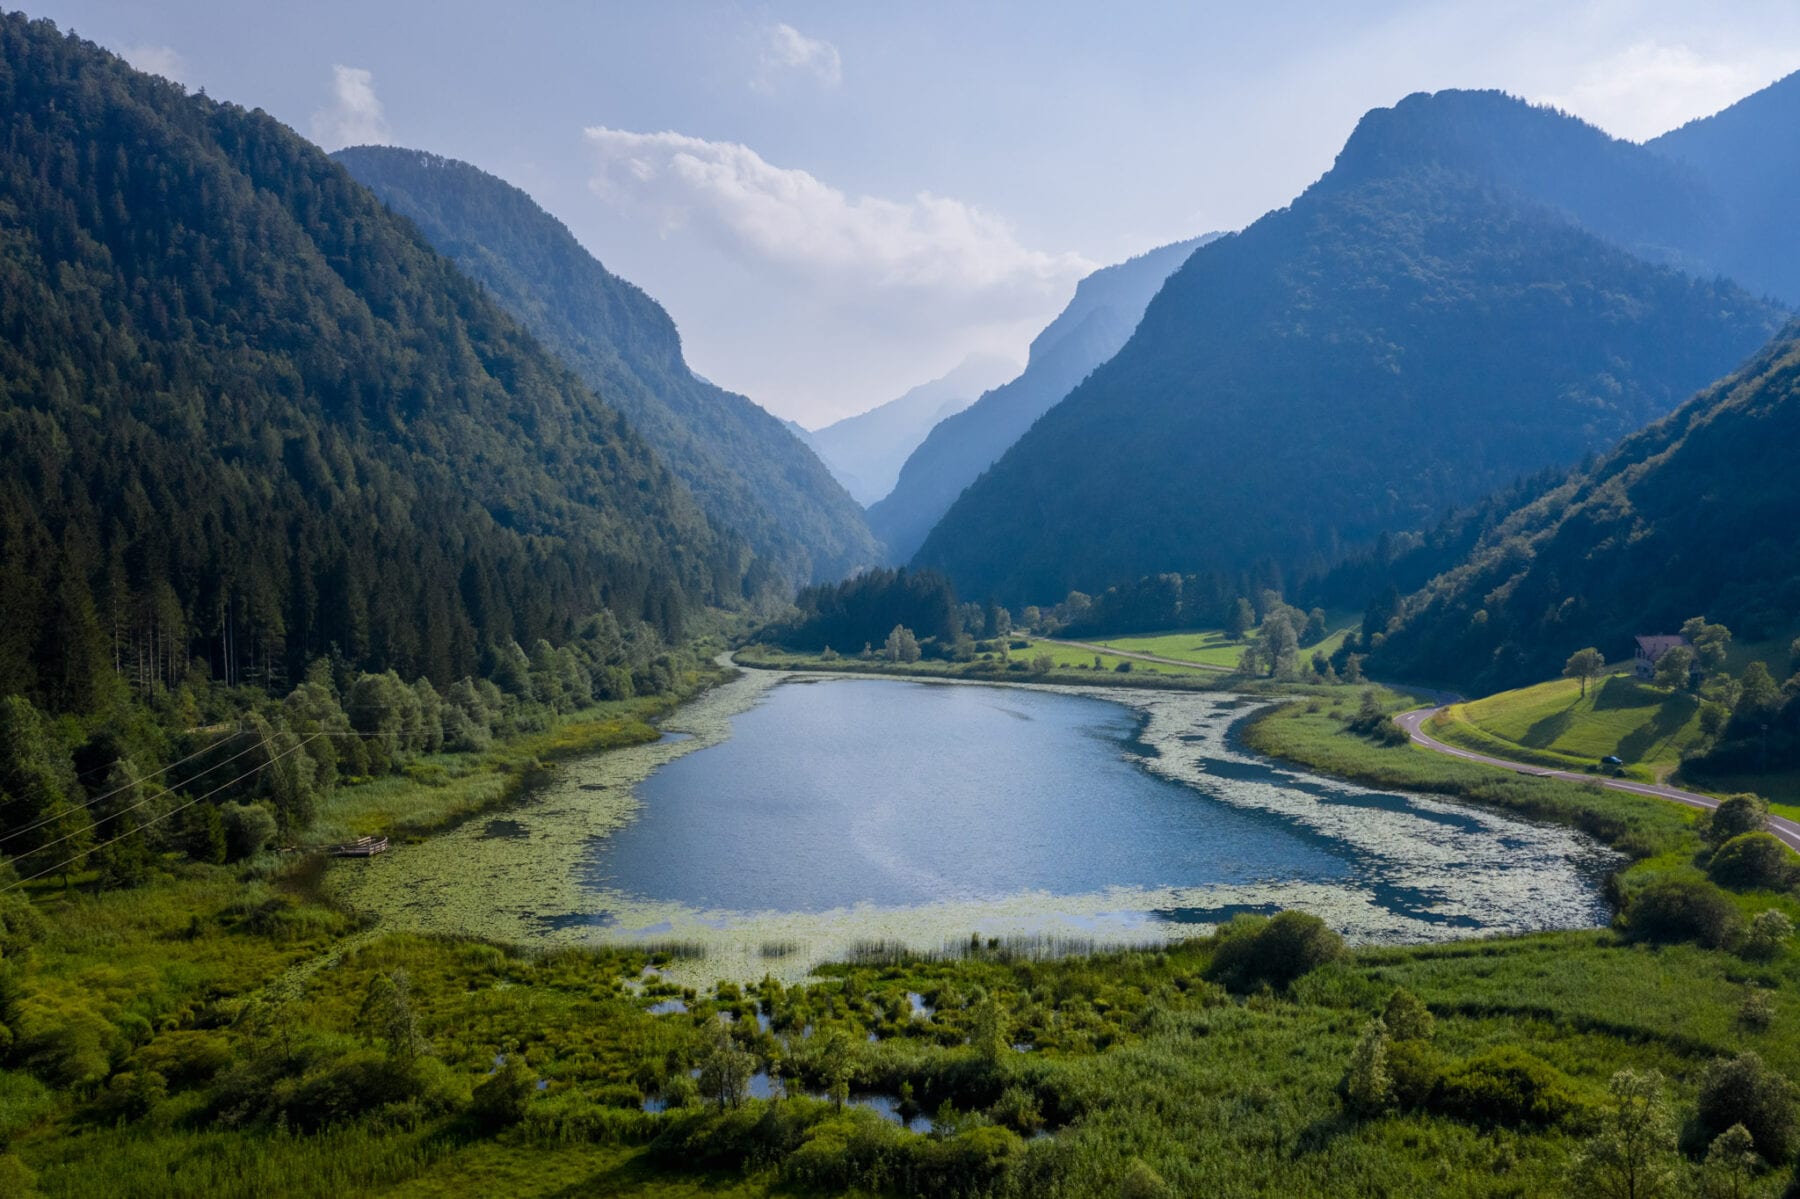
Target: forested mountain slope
pixel 1692 516
pixel 248 417
pixel 1413 332
pixel 746 468
pixel 1750 158
pixel 866 451
pixel 1107 306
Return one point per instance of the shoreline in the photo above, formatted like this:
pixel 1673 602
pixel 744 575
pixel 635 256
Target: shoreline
pixel 524 884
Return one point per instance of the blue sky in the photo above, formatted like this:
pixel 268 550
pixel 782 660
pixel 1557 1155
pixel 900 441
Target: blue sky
pixel 839 200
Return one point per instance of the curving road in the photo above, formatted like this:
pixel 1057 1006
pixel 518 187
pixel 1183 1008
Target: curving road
pixel 1413 722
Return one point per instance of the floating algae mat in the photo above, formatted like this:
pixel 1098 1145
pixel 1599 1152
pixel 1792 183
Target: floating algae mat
pixel 804 818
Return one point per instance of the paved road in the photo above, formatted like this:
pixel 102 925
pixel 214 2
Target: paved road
pixel 1120 653
pixel 1413 722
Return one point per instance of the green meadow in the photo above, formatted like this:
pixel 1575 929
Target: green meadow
pixel 1553 724
pixel 1214 647
pixel 1067 665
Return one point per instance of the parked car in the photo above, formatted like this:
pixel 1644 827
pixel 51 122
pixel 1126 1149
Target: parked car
pixel 1612 760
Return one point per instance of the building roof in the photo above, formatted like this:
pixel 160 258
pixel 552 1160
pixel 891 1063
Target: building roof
pixel 1656 645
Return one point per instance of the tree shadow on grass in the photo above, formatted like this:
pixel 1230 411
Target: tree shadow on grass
pixel 1545 732
pixel 1623 691
pixel 1319 1135
pixel 642 1174
pixel 1675 712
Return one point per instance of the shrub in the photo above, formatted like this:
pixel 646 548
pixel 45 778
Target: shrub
pixel 187 1057
pixel 1735 816
pixel 67 1047
pixel 1683 910
pixel 844 1150
pixel 1633 1150
pixel 1414 1069
pixel 1017 1109
pixel 1751 861
pixel 1769 933
pixel 249 828
pixel 1407 1018
pixel 20 925
pixel 1756 1012
pixel 1745 1091
pixel 365 1081
pixel 1141 1182
pixel 499 1102
pixel 1505 1085
pixel 1369 1087
pixel 970 1163
pixel 132 1095
pixel 1251 951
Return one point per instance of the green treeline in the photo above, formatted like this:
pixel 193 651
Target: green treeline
pixel 214 773
pixel 865 609
pixel 251 419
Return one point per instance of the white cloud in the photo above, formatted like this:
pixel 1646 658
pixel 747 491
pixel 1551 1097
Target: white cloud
pixel 354 117
pixel 1651 87
pixel 929 246
pixel 786 50
pixel 157 60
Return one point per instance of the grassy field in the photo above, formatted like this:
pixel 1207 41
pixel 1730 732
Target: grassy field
pixel 1313 734
pixel 1212 646
pixel 1070 666
pixel 1552 724
pixel 1068 658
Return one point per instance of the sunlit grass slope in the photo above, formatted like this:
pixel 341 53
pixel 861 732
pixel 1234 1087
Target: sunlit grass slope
pixel 1553 724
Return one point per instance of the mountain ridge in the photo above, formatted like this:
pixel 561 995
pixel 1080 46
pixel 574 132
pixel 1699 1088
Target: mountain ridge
pixel 1481 334
pixel 866 451
pixel 745 467
pixel 258 420
pixel 1097 321
pixel 1659 530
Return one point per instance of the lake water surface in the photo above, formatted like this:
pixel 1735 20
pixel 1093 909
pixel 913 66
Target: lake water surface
pixel 816 813
pixel 876 791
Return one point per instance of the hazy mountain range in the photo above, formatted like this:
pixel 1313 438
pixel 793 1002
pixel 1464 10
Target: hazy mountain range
pixel 1105 309
pixel 865 451
pixel 1456 303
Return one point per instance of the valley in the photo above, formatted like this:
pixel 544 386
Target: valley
pixel 1327 724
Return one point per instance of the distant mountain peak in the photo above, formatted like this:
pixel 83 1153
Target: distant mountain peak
pixel 866 451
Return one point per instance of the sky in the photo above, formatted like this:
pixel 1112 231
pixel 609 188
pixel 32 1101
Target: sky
pixel 837 201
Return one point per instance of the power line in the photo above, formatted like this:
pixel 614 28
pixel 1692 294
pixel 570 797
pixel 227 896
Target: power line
pixel 161 816
pixel 260 741
pixel 11 833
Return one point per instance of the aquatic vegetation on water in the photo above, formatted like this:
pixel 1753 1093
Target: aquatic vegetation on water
pixel 1417 869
